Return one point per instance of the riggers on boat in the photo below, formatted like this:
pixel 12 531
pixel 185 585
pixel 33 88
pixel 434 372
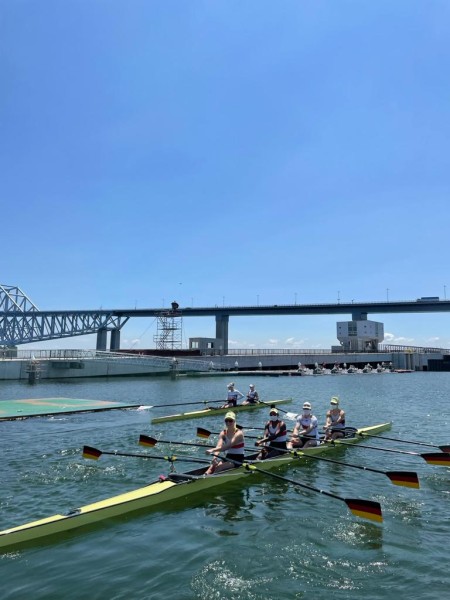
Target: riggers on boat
pixel 211 411
pixel 176 485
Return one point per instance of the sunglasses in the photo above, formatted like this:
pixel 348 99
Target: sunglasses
pixel 229 421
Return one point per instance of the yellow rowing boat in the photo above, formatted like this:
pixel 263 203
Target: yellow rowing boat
pixel 163 490
pixel 212 411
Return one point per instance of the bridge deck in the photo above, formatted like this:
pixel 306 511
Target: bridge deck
pixel 11 410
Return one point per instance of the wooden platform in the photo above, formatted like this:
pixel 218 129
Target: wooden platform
pixel 11 410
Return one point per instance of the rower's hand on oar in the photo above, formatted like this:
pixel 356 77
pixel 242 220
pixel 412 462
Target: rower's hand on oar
pixel 212 451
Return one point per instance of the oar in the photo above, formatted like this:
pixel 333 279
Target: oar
pixel 432 458
pixel 289 415
pixel 150 442
pixel 205 433
pixel 367 509
pixel 94 454
pixel 402 478
pixel 445 448
pixel 184 403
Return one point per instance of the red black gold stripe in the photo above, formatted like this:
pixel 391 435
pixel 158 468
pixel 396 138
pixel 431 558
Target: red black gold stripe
pixel 437 458
pixel 145 440
pixel 93 453
pixel 404 478
pixel 367 509
pixel 203 433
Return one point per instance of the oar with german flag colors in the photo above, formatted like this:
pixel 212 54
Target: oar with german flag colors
pixel 95 453
pixel 366 509
pixel 441 459
pixel 401 478
pixel 444 448
pixel 150 442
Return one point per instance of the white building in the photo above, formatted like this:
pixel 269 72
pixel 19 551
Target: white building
pixel 360 336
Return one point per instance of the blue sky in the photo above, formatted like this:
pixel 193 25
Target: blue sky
pixel 227 152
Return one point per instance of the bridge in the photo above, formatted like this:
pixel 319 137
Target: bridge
pixel 21 322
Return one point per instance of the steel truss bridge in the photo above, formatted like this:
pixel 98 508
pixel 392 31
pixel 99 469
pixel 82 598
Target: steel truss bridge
pixel 21 322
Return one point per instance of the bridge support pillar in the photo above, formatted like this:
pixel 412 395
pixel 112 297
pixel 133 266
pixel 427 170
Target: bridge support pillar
pixel 101 339
pixel 222 330
pixel 115 340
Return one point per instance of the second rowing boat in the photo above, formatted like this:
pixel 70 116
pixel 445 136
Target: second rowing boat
pixel 211 411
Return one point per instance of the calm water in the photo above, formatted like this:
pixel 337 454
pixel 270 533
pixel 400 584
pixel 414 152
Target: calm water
pixel 258 540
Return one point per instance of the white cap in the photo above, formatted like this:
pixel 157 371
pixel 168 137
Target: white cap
pixel 334 400
pixel 252 385
pixel 307 405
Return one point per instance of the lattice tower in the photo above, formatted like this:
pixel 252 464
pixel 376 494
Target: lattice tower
pixel 169 331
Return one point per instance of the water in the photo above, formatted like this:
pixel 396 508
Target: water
pixel 263 539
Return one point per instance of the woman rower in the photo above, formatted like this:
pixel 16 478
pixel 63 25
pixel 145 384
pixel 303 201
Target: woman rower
pixel 335 421
pixel 252 395
pixel 231 442
pixel 275 434
pixel 306 430
pixel 233 396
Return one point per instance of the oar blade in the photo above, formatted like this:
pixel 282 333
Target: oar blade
pixel 404 478
pixel 91 453
pixel 365 509
pixel 444 449
pixel 440 459
pixel 203 433
pixel 147 441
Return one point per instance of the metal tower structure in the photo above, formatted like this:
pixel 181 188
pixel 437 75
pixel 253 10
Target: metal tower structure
pixel 169 329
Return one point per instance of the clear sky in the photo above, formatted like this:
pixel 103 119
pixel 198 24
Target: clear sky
pixel 227 152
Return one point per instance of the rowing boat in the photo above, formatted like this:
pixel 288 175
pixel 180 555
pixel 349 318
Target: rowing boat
pixel 211 410
pixel 165 489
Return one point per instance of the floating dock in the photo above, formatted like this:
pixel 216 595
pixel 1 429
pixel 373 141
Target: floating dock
pixel 12 410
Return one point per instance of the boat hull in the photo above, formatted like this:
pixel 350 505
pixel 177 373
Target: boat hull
pixel 210 412
pixel 154 494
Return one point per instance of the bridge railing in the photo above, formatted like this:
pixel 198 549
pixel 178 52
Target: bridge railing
pixel 382 349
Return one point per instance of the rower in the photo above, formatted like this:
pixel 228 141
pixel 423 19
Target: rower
pixel 335 421
pixel 252 395
pixel 306 430
pixel 275 434
pixel 233 395
pixel 231 442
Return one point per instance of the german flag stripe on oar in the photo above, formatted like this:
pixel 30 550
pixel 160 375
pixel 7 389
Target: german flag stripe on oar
pixel 441 459
pixel 145 440
pixel 203 433
pixel 367 509
pixel 404 478
pixel 92 453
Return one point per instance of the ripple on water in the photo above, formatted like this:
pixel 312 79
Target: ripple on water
pixel 218 580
